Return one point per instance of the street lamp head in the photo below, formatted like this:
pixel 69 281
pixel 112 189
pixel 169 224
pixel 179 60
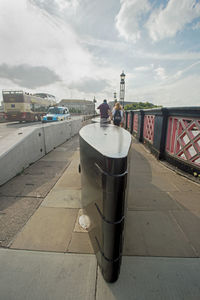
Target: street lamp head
pixel 122 76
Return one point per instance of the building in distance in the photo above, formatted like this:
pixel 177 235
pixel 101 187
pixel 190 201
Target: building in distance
pixel 78 106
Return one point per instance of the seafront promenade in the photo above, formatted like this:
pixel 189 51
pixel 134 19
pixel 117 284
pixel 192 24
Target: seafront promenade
pixel 45 254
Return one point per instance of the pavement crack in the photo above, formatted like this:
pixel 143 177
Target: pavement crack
pixel 95 292
pixel 184 234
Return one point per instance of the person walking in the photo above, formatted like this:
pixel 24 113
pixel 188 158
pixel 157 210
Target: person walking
pixel 117 115
pixel 104 111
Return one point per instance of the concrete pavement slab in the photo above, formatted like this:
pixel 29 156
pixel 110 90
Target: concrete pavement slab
pixel 71 145
pixel 146 164
pixel 143 278
pixel 27 275
pixel 14 213
pixel 71 180
pixel 72 171
pixel 65 198
pixel 36 181
pixel 162 182
pixel 185 185
pixel 67 191
pixel 58 155
pixel 80 243
pixel 189 222
pixel 67 148
pixel 156 200
pixel 49 229
pixel 155 233
pixel 187 200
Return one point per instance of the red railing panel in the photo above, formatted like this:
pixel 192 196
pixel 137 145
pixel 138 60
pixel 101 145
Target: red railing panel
pixel 128 121
pixel 135 123
pixel 183 139
pixel 148 132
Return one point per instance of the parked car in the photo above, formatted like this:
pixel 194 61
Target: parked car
pixel 56 113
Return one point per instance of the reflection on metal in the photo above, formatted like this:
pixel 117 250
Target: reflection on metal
pixel 104 153
pixel 96 120
pixel 102 121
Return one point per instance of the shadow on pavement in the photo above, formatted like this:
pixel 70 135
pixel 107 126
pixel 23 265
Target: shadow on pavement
pixel 163 217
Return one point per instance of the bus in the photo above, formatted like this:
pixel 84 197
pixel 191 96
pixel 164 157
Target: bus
pixel 21 106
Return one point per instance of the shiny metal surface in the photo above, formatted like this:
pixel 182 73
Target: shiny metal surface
pixel 104 171
pixel 110 140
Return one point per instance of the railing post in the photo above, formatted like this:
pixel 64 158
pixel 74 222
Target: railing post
pixel 154 130
pixel 160 130
pixel 131 122
pixel 126 119
pixel 140 125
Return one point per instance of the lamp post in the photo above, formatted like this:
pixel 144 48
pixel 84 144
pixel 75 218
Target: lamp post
pixel 122 88
pixel 94 101
pixel 115 97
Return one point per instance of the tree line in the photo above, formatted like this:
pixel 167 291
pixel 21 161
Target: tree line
pixel 140 105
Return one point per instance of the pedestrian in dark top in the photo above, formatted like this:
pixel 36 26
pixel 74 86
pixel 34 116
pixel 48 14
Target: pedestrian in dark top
pixel 104 111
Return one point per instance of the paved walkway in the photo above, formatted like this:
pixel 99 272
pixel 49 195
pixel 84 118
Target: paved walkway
pixel 49 256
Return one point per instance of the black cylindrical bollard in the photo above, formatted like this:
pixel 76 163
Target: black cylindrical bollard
pixel 104 154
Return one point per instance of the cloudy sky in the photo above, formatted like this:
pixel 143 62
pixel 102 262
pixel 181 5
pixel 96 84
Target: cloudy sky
pixel 78 49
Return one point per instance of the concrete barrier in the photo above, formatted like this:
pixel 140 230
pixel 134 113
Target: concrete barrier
pixel 75 126
pixel 28 144
pixel 19 150
pixel 56 134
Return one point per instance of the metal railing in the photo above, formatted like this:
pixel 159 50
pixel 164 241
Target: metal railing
pixel 172 134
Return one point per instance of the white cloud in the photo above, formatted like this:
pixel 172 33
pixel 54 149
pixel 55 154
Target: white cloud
pixel 166 22
pixel 196 26
pixel 105 44
pixel 183 92
pixel 169 56
pixel 69 4
pixel 144 68
pixel 57 7
pixel 38 39
pixel 67 39
pixel 35 39
pixel 181 72
pixel 129 17
pixel 160 73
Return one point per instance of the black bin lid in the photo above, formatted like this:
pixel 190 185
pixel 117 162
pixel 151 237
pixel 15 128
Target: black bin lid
pixel 110 140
